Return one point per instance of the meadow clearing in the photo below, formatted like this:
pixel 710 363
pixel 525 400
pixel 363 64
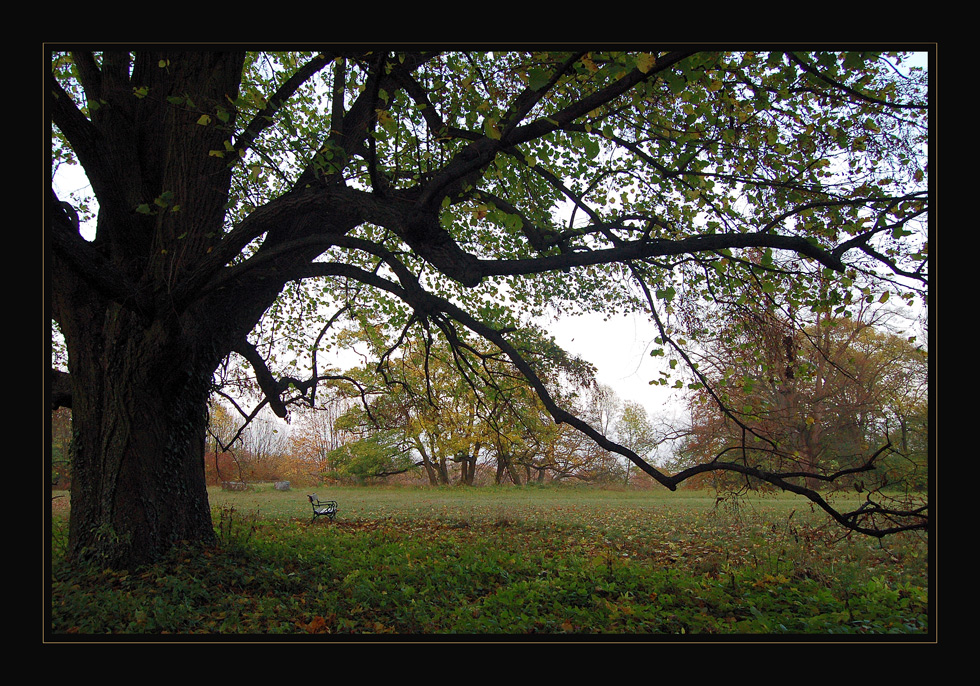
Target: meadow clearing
pixel 498 562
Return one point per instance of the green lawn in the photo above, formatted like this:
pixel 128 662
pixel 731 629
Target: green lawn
pixel 509 562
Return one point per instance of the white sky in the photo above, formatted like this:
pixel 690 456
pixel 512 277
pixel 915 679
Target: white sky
pixel 620 350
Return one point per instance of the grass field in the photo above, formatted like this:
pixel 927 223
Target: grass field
pixel 506 562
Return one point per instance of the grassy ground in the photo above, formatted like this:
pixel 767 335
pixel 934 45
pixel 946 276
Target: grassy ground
pixel 506 562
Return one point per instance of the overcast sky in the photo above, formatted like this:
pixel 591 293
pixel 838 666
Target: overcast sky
pixel 620 350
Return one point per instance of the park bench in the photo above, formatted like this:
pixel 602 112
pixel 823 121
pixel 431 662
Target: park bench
pixel 322 508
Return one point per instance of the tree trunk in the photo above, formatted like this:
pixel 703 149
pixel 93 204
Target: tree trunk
pixel 469 464
pixel 505 465
pixel 443 468
pixel 140 357
pixel 139 417
pixel 430 469
pixel 501 470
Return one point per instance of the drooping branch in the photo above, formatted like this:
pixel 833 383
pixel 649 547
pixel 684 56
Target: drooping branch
pixel 411 292
pixel 909 519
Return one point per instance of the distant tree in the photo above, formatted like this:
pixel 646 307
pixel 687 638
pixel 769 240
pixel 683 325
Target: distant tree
pixel 378 454
pixel 239 200
pixel 264 446
pixel 635 431
pixel 60 444
pixel 317 432
pixel 810 400
pixel 905 409
pixel 415 402
pixel 456 402
pixel 224 441
pixel 518 432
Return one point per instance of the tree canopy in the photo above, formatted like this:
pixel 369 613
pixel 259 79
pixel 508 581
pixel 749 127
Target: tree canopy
pixel 245 203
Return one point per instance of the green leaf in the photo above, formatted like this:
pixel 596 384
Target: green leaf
pixel 490 128
pixel 538 78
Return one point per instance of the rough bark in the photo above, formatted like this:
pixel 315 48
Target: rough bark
pixel 140 367
pixel 138 449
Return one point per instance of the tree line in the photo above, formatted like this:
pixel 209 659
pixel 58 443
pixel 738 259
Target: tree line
pixel 812 398
pixel 433 417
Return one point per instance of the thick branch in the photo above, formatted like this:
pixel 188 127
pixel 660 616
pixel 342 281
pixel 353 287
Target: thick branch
pixel 60 389
pixel 658 248
pixel 83 257
pixel 270 387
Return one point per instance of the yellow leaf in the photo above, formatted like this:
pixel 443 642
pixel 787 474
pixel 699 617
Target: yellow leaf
pixel 490 128
pixel 645 62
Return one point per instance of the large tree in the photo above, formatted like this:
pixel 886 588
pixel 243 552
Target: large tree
pixel 446 188
pixel 636 432
pixel 813 398
pixel 451 402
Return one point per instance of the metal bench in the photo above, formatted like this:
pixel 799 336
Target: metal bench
pixel 322 508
